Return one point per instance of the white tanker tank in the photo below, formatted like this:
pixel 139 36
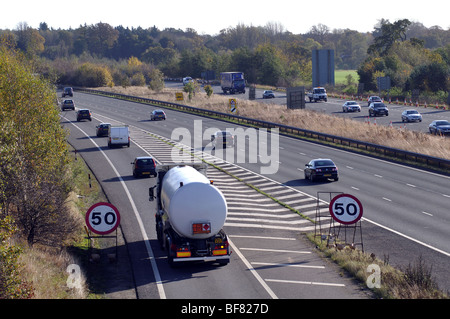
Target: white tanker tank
pixel 196 208
pixel 190 215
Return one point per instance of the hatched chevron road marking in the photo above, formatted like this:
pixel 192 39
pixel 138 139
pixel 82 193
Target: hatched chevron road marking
pixel 246 207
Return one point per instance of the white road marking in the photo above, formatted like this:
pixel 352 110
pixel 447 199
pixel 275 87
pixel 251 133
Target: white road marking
pixel 306 282
pixel 145 237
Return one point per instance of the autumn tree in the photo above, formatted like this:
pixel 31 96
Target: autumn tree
pixel 33 154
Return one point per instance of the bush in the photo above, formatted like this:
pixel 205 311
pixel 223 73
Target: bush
pixel 156 80
pixel 208 89
pixel 138 80
pixel 91 75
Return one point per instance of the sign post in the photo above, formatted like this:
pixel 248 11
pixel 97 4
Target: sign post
pixel 233 105
pixel 102 219
pixel 347 211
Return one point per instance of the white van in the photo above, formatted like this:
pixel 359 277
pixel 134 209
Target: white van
pixel 118 136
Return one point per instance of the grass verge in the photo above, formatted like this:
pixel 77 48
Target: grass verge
pixel 47 267
pixel 387 282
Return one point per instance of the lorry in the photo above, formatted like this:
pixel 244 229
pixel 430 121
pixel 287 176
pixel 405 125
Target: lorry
pixel 190 214
pixel 318 94
pixel 118 136
pixel 232 82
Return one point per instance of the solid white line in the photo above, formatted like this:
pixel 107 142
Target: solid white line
pixel 253 271
pixel 158 280
pixel 408 237
pixel 427 214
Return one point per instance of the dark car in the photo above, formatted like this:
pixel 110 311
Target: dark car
pixel 144 166
pixel 68 104
pixel 377 108
pixel 158 115
pixel 222 139
pixel 439 127
pixel 84 114
pixel 373 99
pixel 102 129
pixel 321 169
pixel 67 91
pixel 268 94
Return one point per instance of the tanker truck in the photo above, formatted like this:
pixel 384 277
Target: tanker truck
pixel 190 214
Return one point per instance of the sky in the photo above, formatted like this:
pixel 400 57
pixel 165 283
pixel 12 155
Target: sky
pixel 209 17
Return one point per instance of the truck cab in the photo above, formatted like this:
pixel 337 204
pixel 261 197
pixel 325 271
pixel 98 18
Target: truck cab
pixel 318 94
pixel 232 82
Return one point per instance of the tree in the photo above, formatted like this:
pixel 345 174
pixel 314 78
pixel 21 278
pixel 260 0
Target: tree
pixel 101 38
pixel 29 40
pixel 269 68
pixel 33 154
pixel 432 77
pixel 156 80
pixel 388 34
pixel 91 75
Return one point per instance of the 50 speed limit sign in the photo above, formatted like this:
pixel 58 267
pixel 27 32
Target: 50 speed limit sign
pixel 102 218
pixel 346 209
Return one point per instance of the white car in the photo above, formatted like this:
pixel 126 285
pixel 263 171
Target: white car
pixel 411 116
pixel 187 79
pixel 351 106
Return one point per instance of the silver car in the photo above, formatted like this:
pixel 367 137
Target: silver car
pixel 411 116
pixel 351 106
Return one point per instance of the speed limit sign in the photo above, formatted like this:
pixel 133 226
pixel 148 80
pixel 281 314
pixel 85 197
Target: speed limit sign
pixel 102 218
pixel 346 209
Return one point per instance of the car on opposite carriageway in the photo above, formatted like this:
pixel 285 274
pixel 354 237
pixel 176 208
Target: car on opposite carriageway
pixel 351 106
pixel 321 168
pixel 268 94
pixel 439 127
pixel 411 116
pixel 378 108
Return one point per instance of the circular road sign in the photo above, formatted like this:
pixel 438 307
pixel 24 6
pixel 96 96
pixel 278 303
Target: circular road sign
pixel 102 218
pixel 346 209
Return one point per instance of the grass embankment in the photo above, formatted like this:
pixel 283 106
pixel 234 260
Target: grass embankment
pixel 412 282
pixel 46 267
